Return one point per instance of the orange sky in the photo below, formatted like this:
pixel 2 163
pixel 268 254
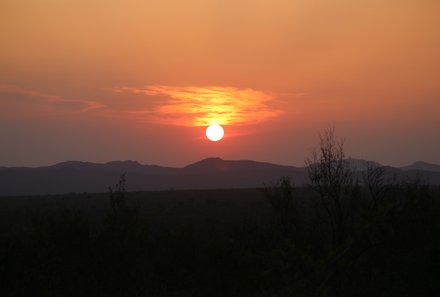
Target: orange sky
pixel 108 80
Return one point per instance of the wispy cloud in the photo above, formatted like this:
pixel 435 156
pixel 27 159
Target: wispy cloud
pixel 14 93
pixel 201 106
pixel 182 106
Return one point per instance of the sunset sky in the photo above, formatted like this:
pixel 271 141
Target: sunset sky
pixel 102 80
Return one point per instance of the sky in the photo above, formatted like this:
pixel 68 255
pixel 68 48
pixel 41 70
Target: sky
pixel 103 80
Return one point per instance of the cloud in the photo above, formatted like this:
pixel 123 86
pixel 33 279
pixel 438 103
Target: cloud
pixel 15 97
pixel 201 106
pixel 169 105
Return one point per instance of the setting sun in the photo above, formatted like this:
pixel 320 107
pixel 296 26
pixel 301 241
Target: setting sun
pixel 215 132
pixel 252 148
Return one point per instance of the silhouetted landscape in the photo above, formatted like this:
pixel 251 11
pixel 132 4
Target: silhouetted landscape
pixel 211 173
pixel 337 227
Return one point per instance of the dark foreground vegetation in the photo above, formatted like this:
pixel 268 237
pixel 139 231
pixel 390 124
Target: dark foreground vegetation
pixel 287 249
pixel 338 237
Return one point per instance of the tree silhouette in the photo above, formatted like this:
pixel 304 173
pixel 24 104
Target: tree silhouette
pixel 280 197
pixel 332 178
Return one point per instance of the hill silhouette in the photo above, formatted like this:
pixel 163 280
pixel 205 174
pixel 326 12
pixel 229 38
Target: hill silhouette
pixel 210 173
pixel 423 166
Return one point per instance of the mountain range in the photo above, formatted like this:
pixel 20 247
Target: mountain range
pixel 210 173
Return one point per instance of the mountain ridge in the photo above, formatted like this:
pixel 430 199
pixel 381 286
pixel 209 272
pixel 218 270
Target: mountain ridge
pixel 421 165
pixel 354 161
pixel 208 173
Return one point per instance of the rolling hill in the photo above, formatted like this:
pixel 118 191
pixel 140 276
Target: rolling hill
pixel 210 173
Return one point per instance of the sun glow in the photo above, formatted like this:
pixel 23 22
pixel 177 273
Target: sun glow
pixel 215 132
pixel 203 106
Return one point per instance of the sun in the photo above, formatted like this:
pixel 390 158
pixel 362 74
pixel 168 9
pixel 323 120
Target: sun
pixel 215 132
